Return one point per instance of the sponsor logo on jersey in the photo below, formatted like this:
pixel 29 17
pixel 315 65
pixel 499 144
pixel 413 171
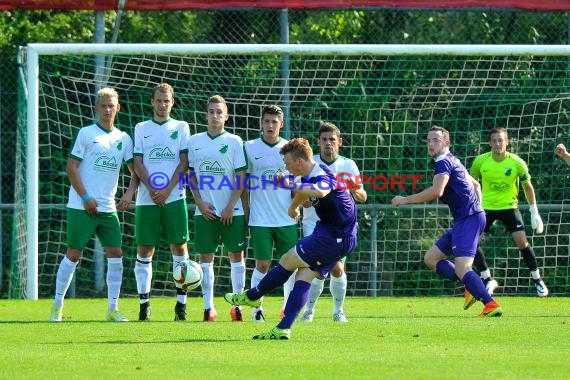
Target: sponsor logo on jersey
pixel 161 154
pixel 208 167
pixel 106 163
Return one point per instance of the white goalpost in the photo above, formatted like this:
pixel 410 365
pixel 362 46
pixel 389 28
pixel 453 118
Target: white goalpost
pixel 382 97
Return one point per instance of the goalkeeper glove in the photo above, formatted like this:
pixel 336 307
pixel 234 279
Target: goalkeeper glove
pixel 535 220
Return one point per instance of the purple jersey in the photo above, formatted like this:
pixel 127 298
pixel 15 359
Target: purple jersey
pixel 459 193
pixel 337 210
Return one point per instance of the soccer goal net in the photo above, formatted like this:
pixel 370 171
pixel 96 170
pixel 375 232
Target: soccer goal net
pixel 384 98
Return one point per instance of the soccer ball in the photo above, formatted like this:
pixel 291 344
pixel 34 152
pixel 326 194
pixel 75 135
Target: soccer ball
pixel 188 275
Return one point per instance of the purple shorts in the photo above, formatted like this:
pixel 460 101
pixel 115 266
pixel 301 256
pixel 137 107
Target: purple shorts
pixel 462 238
pixel 321 251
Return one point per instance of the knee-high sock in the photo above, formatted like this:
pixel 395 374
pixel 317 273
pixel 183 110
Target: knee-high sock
pixel 317 286
pixel 446 269
pixel 338 291
pixel 475 286
pixel 208 285
pixel 63 280
pixel 274 278
pixel 237 272
pixel 297 299
pixel 529 258
pixel 181 295
pixel 288 287
pixel 256 276
pixel 143 275
pixel 114 281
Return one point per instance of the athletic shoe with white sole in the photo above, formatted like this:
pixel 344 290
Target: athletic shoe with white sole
pixel 56 314
pixel 115 316
pixel 541 288
pixel 340 317
pixel 257 315
pixel 307 316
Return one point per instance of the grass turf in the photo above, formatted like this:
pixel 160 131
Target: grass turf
pixel 386 338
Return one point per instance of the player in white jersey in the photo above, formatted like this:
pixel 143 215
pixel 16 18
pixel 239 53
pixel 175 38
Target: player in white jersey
pixel 93 168
pixel 329 142
pixel 161 159
pixel 217 172
pixel 269 221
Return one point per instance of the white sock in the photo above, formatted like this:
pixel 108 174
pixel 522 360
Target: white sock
pixel 338 292
pixel 114 281
pixel 317 286
pixel 175 260
pixel 287 287
pixel 485 274
pixel 238 276
pixel 256 277
pixel 143 275
pixel 208 285
pixel 63 280
pixel 535 274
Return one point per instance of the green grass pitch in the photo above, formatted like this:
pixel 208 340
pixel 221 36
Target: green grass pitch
pixel 386 338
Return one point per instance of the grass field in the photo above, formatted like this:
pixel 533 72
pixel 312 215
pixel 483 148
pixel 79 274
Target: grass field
pixel 386 338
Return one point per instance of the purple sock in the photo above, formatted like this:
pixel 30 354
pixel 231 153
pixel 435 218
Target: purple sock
pixel 446 269
pixel 274 278
pixel 475 286
pixel 297 299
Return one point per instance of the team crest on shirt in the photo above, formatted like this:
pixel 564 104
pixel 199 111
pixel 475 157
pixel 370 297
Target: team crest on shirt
pixel 174 135
pixel 224 149
pixel 508 172
pixel 120 146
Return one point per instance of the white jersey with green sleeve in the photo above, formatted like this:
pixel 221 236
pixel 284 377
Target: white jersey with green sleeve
pixel 342 167
pixel 500 180
pixel 101 154
pixel 215 160
pixel 160 145
pixel 268 203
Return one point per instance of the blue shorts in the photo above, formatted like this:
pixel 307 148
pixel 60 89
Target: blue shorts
pixel 321 251
pixel 462 239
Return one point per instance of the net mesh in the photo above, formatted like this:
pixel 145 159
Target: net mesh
pixel 384 107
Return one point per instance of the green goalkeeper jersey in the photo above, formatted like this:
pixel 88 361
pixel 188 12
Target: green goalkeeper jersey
pixel 500 180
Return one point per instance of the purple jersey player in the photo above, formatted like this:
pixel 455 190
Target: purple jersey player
pixel 315 255
pixel 453 184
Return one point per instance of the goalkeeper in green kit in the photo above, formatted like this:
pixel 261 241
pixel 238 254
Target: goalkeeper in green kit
pixel 500 173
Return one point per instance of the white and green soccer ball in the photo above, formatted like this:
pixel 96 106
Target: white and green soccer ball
pixel 188 275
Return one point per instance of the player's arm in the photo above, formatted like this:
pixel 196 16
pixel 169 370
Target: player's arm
pixel 207 209
pixel 360 195
pixel 237 190
pixel 298 200
pixel 72 169
pixel 245 199
pixel 159 196
pixel 431 193
pixel 477 188
pixel 125 201
pixel 562 153
pixel 530 195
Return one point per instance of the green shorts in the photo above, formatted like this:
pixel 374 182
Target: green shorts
pixel 262 239
pixel 81 227
pixel 209 233
pixel 169 222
